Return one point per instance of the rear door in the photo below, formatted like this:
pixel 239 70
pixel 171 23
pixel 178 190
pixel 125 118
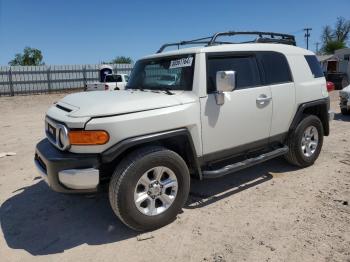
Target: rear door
pixel 277 75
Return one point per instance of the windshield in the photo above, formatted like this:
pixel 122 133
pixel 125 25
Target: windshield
pixel 172 73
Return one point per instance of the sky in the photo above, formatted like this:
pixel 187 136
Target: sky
pixel 92 31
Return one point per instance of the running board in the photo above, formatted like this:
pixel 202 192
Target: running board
pixel 244 164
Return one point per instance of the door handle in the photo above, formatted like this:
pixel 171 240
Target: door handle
pixel 262 99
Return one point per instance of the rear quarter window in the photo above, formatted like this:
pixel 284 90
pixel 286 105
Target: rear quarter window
pixel 314 65
pixel 276 68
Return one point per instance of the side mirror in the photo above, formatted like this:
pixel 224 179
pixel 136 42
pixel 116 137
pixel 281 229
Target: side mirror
pixel 225 82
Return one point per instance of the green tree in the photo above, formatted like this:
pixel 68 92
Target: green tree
pixel 122 60
pixel 331 46
pixel 30 57
pixel 334 39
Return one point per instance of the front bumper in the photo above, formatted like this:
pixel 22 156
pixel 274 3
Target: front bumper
pixel 66 172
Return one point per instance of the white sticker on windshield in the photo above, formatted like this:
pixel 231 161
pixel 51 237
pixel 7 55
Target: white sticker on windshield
pixel 183 62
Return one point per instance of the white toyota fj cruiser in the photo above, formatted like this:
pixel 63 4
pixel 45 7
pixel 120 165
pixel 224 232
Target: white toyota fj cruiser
pixel 201 112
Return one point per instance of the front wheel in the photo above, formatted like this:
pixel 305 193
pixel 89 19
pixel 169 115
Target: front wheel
pixel 149 188
pixel 305 142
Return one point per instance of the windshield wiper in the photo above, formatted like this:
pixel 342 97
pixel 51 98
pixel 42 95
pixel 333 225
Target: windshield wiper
pixel 166 90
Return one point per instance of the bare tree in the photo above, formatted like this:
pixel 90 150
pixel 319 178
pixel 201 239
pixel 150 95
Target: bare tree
pixel 333 39
pixel 342 29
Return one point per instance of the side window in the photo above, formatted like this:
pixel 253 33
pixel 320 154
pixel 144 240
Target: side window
pixel 276 68
pixel 314 66
pixel 246 68
pixel 119 78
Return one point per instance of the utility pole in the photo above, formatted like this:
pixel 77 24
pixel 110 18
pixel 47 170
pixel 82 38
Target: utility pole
pixel 307 35
pixel 317 44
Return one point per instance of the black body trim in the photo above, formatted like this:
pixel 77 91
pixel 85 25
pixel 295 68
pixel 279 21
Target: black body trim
pixel 243 151
pixel 278 139
pixel 117 150
pixel 323 104
pixel 234 152
pixel 228 169
pixel 50 160
pixel 63 108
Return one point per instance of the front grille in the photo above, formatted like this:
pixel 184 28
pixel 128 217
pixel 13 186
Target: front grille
pixel 51 132
pixel 54 131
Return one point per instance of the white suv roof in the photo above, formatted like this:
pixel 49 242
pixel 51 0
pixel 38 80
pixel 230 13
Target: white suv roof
pixel 282 48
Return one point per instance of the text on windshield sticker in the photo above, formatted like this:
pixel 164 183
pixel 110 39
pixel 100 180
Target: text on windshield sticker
pixel 183 62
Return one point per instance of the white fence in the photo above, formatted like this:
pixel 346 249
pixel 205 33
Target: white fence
pixel 45 79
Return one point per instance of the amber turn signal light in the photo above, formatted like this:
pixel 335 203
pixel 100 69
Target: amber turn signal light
pixel 88 137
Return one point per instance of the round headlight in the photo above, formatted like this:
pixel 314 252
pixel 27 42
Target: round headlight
pixel 63 138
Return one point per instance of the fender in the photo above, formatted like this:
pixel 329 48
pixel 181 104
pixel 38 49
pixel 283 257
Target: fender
pixel 121 147
pixel 323 108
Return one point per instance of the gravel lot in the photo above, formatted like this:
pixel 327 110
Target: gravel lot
pixel 271 212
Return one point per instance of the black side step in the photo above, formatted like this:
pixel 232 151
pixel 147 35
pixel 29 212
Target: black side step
pixel 244 164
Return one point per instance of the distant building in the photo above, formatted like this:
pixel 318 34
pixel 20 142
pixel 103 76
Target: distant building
pixel 344 58
pixel 337 63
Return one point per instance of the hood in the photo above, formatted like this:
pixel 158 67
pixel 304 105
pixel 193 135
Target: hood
pixel 102 103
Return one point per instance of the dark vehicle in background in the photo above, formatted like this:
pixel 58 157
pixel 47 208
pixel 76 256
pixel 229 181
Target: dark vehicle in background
pixel 336 67
pixel 339 79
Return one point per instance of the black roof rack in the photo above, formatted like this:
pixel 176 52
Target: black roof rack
pixel 262 37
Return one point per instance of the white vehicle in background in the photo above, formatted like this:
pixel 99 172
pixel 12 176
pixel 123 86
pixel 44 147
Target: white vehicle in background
pixel 344 95
pixel 111 82
pixel 168 80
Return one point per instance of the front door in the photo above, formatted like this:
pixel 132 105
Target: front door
pixel 244 120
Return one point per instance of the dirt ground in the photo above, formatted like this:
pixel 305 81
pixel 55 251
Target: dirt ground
pixel 271 212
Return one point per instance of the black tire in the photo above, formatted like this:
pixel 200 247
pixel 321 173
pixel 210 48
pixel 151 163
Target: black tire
pixel 345 82
pixel 128 173
pixel 295 155
pixel 344 111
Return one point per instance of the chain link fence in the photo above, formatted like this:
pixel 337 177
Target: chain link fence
pixel 17 80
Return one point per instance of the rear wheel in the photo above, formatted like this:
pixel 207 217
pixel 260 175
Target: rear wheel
pixel 305 142
pixel 149 188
